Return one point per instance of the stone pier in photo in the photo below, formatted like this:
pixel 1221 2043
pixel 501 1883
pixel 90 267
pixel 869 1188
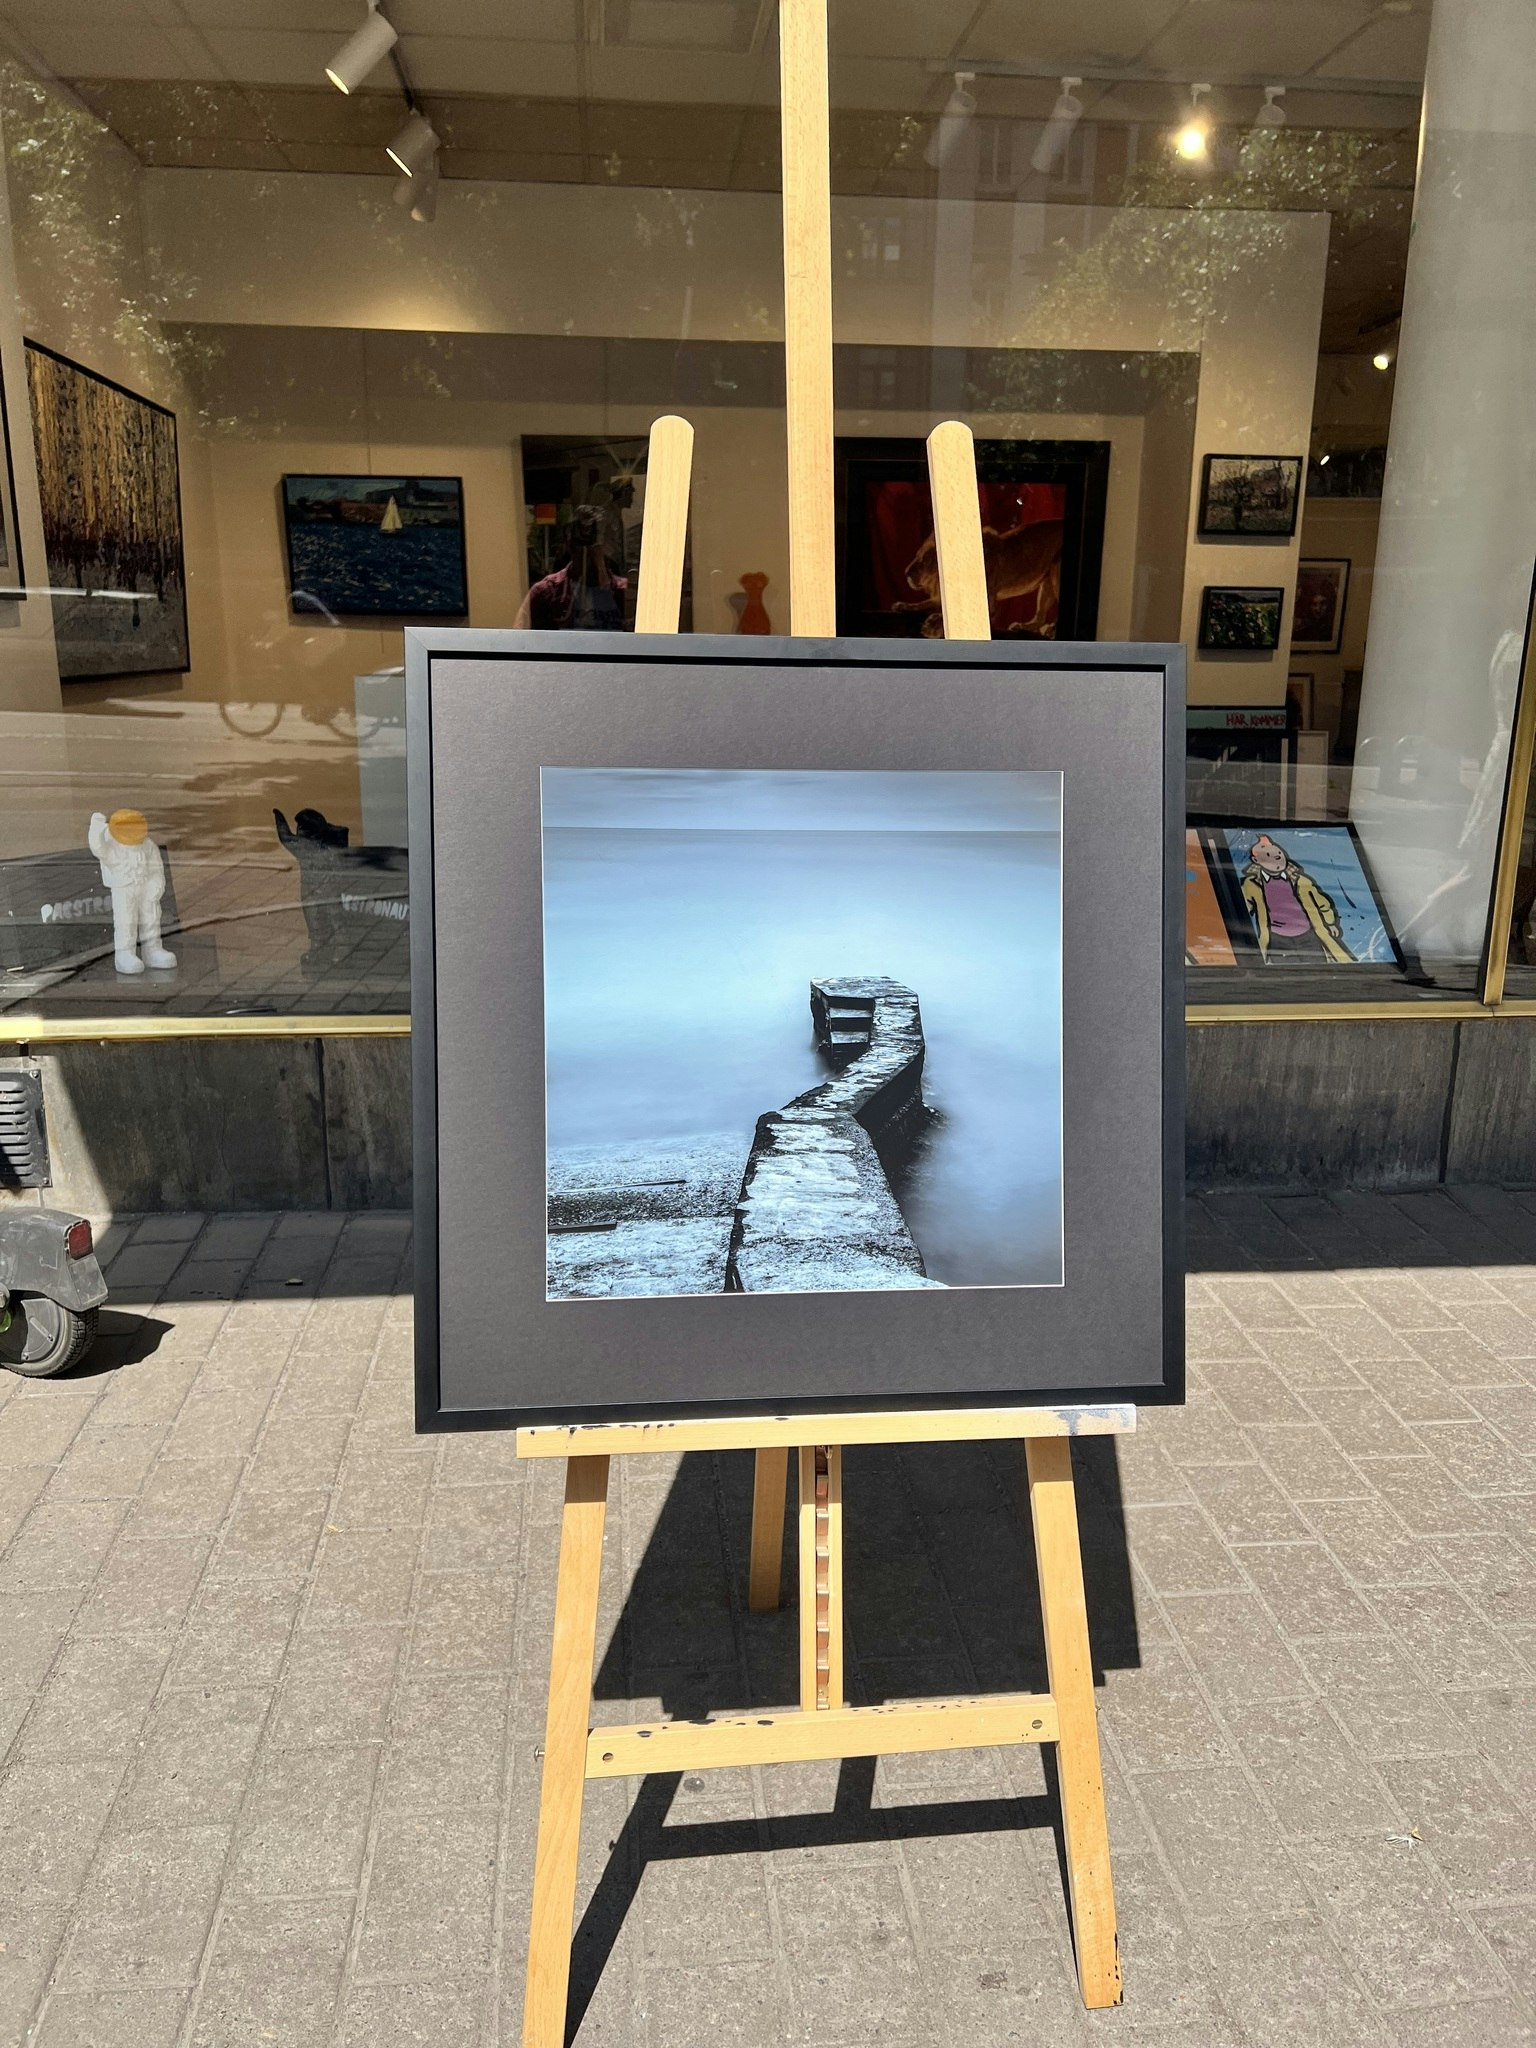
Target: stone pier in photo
pixel 816 1211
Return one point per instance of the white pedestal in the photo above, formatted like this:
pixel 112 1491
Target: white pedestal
pixel 379 700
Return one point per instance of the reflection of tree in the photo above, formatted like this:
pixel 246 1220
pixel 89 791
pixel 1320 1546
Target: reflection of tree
pixel 72 201
pixel 1183 239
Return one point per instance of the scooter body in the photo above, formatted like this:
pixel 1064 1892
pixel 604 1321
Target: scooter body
pixel 50 1290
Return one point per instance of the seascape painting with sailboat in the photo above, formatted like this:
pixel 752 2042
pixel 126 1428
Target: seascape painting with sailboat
pixel 371 545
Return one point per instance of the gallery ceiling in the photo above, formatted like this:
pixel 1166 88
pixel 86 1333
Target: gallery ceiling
pixel 684 93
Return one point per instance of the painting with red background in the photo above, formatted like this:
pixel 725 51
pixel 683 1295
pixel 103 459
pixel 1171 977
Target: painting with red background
pixel 900 527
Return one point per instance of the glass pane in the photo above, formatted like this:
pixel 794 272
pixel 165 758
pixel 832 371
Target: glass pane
pixel 285 401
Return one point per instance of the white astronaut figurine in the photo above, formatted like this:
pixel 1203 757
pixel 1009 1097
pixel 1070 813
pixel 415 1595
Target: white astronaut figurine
pixel 133 871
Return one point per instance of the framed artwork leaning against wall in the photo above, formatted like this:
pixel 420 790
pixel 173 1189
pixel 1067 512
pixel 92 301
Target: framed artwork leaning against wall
pixel 795 1067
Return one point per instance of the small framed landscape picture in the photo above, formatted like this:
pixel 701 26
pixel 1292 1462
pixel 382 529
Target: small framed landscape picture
pixel 370 546
pixel 1322 591
pixel 1249 495
pixel 1240 620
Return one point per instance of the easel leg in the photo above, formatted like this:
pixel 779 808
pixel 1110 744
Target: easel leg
pixel 821 1577
pixel 1053 1509
pixel 769 1476
pixel 565 1752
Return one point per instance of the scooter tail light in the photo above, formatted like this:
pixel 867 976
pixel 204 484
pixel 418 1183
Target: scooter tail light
pixel 77 1239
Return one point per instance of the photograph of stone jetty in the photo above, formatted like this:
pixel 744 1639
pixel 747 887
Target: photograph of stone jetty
pixel 802 1030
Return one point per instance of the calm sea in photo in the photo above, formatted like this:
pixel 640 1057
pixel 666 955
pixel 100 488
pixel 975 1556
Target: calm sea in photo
pixel 357 568
pixel 678 966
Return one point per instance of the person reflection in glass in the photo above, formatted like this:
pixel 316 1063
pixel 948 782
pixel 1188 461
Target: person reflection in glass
pixel 1293 918
pixel 584 595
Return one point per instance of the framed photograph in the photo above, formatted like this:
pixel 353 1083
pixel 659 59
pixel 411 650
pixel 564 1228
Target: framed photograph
pixel 376 546
pixel 1302 894
pixel 1249 496
pixel 1299 694
pixel 1322 591
pixel 1042 524
pixel 795 1065
pixel 109 479
pixel 1240 619
pixel 13 577
pixel 584 507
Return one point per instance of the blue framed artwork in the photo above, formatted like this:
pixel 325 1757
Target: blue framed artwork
pixel 1302 895
pixel 371 546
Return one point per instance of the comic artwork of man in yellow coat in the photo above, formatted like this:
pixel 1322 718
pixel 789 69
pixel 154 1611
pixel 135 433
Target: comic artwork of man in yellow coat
pixel 1293 918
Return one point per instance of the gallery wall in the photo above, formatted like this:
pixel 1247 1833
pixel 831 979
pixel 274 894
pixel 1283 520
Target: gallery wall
pixel 1241 290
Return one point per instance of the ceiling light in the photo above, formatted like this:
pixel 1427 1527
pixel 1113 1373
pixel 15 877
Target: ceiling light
pixel 1271 114
pixel 360 54
pixel 952 123
pixel 415 145
pixel 423 191
pixel 1057 133
pixel 1323 461
pixel 1193 140
pixel 1381 360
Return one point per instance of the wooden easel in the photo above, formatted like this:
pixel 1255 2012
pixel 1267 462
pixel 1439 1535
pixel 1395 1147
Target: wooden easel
pixel 823 1725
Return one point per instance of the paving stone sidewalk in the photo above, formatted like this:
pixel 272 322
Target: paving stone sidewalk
pixel 271 1677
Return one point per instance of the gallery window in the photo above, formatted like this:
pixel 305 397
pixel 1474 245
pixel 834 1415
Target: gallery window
pixel 1238 299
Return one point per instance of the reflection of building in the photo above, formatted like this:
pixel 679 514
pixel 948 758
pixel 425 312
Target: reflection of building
pixel 605 248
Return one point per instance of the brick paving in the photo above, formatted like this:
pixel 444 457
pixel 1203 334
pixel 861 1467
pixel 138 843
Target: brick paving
pixel 271 1674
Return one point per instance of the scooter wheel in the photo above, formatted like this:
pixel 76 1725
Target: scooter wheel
pixel 43 1337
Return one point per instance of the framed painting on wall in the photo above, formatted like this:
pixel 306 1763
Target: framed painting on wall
pixel 584 507
pixel 376 546
pixel 1240 619
pixel 1042 521
pixel 644 1186
pixel 1249 496
pixel 109 480
pixel 13 577
pixel 1322 591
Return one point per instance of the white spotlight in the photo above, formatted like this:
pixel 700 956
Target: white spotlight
pixel 424 191
pixel 954 122
pixel 362 52
pixel 1381 360
pixel 1193 139
pixel 414 145
pixel 1271 114
pixel 1057 133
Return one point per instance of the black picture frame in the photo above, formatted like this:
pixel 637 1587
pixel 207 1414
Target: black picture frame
pixel 1082 467
pixel 1306 614
pixel 60 497
pixel 1215 830
pixel 487 710
pixel 1241 618
pixel 1249 497
pixel 13 574
pixel 616 470
pixel 332 599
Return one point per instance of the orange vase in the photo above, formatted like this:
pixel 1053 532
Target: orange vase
pixel 754 613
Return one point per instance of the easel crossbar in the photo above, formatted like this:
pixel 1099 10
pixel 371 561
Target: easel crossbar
pixel 791 1735
pixel 763 1432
